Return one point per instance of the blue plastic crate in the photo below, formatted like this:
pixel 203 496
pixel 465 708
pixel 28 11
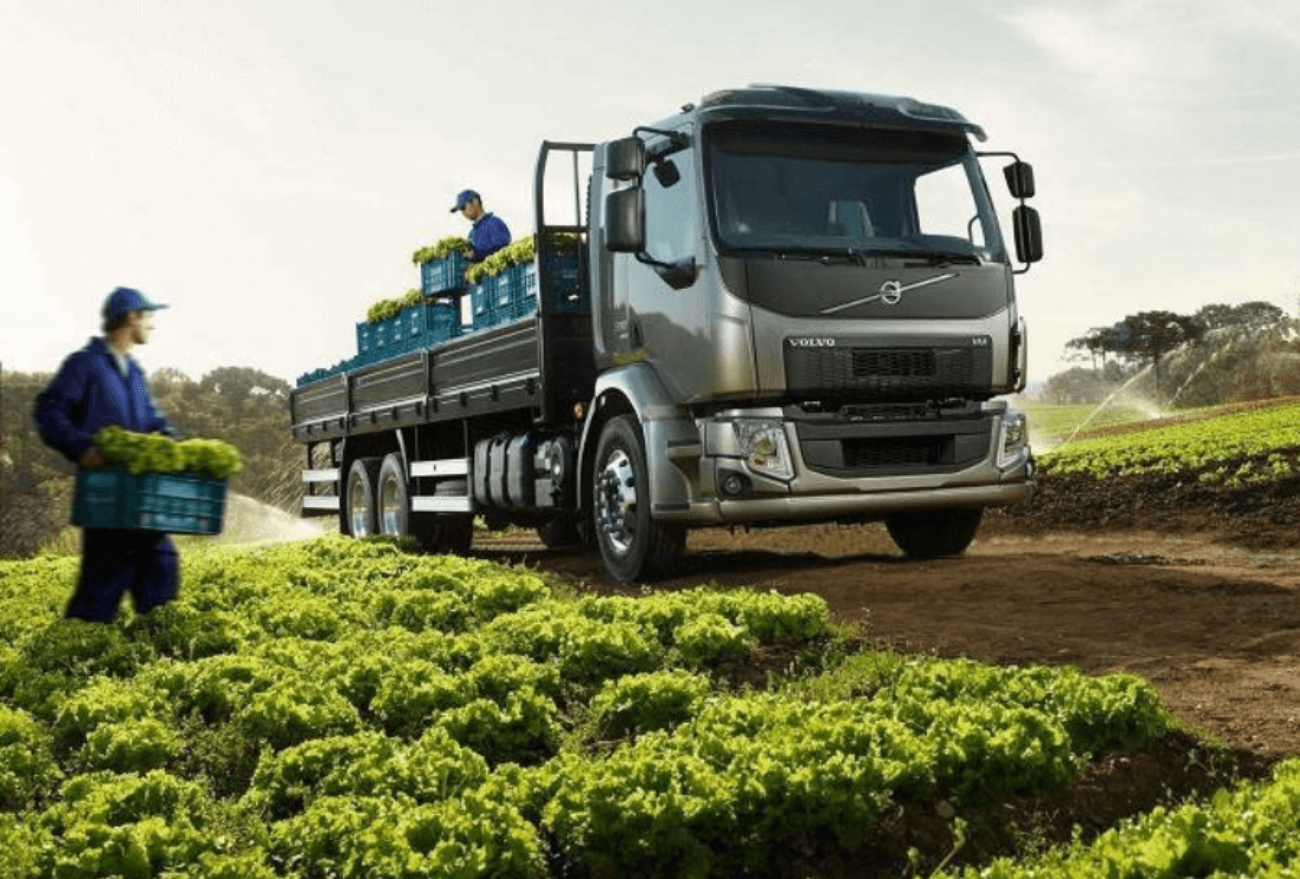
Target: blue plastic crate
pixel 442 318
pixel 443 275
pixel 499 303
pixel 522 281
pixel 409 329
pixel 373 337
pixel 517 295
pixel 479 297
pixel 490 300
pixel 181 503
pixel 501 289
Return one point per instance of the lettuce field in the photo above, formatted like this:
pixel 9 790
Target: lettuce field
pixel 1252 447
pixel 340 708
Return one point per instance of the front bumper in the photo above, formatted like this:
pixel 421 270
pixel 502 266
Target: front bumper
pixel 979 460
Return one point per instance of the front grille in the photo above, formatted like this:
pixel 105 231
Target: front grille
pixel 899 363
pixel 849 449
pixel 865 371
pixel 862 454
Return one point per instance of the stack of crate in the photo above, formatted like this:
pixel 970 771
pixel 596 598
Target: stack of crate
pixel 512 294
pixel 425 324
pixel 417 326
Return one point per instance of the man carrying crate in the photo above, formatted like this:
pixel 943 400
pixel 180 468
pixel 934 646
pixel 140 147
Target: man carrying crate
pixel 102 385
pixel 489 233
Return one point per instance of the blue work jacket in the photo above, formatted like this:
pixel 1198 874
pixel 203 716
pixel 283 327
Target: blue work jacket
pixel 90 392
pixel 488 235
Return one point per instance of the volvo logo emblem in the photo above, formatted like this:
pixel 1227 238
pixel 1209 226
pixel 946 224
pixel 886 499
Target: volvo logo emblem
pixel 891 292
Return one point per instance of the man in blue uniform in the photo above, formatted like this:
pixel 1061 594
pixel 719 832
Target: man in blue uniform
pixel 489 233
pixel 97 386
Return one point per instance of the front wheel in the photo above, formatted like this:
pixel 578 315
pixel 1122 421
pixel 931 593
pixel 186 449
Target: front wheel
pixel 632 544
pixel 932 534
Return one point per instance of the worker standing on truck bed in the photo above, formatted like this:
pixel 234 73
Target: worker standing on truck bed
pixel 101 385
pixel 489 233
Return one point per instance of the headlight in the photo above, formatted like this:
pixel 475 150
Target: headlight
pixel 1015 436
pixel 764 448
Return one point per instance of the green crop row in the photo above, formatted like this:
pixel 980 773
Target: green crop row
pixel 343 708
pixel 1252 831
pixel 747 776
pixel 1233 450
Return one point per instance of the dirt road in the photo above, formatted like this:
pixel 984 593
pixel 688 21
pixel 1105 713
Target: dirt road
pixel 1214 626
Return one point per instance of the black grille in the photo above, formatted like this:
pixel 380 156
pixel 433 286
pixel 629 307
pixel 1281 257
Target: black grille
pixel 897 363
pixel 845 448
pixel 867 371
pixel 863 454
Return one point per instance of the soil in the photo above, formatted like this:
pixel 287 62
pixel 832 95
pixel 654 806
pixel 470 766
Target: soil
pixel 1203 603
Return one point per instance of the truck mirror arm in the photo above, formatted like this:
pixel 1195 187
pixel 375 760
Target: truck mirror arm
pixel 1028 227
pixel 679 140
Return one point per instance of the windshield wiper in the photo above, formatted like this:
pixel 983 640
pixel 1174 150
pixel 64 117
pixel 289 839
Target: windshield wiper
pixel 931 257
pixel 820 254
pixel 862 257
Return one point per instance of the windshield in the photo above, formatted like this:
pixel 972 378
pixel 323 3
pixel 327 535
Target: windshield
pixel 829 189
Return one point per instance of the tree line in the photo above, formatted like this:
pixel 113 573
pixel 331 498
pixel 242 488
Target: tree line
pixel 1220 354
pixel 240 405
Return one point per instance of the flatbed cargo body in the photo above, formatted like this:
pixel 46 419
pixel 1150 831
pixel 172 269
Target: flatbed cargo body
pixel 495 370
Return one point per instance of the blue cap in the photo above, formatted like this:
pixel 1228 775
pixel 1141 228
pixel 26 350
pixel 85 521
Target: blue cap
pixel 125 300
pixel 463 199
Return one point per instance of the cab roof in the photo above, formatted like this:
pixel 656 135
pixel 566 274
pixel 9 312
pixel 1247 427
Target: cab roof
pixel 792 102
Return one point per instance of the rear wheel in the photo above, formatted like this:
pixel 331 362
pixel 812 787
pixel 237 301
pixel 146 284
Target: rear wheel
pixel 359 517
pixel 932 534
pixel 393 509
pixel 633 545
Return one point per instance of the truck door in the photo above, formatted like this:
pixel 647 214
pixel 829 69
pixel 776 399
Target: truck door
pixel 669 327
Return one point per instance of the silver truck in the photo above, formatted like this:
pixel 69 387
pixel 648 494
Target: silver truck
pixel 791 306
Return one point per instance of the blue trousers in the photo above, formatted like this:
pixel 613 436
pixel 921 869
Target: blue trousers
pixel 114 561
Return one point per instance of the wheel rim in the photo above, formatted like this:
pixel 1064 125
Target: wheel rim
pixel 389 508
pixel 359 508
pixel 616 502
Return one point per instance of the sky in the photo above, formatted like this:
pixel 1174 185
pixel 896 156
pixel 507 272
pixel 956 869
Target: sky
pixel 267 168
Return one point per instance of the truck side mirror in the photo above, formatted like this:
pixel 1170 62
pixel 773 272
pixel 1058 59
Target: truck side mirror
pixel 625 221
pixel 1020 179
pixel 1029 233
pixel 625 159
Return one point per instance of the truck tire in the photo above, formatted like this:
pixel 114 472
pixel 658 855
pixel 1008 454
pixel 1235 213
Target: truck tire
pixel 393 498
pixel 633 545
pixel 932 534
pixel 444 533
pixel 359 519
